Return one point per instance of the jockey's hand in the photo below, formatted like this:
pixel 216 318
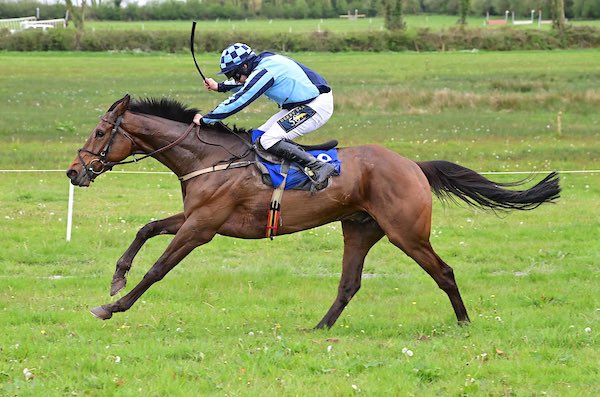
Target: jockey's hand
pixel 197 118
pixel 211 84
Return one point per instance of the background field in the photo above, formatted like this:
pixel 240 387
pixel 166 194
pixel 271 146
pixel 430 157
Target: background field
pixel 234 318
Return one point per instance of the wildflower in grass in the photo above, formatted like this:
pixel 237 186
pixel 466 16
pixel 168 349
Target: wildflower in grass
pixel 588 329
pixel 27 373
pixel 469 380
pixel 407 352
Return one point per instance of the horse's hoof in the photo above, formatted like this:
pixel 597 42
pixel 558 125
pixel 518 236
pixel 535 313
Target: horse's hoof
pixel 101 313
pixel 117 285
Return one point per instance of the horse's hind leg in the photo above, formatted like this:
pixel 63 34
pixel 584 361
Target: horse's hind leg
pixel 443 275
pixel 168 225
pixel 414 241
pixel 359 237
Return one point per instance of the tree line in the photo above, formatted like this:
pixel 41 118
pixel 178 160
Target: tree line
pixel 294 9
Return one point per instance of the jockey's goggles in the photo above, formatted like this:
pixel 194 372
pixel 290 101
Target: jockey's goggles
pixel 234 74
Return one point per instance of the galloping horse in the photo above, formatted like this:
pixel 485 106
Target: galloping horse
pixel 378 193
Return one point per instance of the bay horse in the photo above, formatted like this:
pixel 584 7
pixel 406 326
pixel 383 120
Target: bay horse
pixel 378 193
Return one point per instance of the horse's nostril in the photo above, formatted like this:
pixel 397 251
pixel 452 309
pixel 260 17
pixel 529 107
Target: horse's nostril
pixel 71 174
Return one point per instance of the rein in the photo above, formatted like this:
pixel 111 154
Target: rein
pixel 108 165
pixel 157 151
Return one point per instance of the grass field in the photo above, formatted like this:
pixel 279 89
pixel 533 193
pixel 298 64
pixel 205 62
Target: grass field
pixel 413 22
pixel 234 318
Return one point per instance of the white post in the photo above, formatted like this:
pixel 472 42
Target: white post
pixel 70 211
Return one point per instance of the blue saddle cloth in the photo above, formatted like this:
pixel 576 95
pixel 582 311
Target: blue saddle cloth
pixel 295 176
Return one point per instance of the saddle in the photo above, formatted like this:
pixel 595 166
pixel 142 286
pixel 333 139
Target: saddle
pixel 274 169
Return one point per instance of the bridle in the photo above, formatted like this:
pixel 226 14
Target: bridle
pixel 101 157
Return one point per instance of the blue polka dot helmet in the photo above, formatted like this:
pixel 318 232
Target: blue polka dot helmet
pixel 234 56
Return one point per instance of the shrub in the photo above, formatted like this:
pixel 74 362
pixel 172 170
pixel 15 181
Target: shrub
pixel 423 40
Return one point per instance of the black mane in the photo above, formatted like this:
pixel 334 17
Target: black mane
pixel 174 110
pixel 166 108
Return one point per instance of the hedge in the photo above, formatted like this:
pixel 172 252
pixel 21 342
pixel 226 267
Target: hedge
pixel 422 40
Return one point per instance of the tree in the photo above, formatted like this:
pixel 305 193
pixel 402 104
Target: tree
pixel 393 15
pixel 465 6
pixel 77 14
pixel 558 15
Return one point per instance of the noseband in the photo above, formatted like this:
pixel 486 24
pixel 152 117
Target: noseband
pixel 101 157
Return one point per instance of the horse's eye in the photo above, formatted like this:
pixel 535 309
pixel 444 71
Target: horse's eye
pixel 99 133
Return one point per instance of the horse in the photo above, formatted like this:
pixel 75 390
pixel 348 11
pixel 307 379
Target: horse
pixel 378 193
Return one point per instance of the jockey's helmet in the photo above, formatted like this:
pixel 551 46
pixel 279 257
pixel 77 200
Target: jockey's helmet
pixel 234 56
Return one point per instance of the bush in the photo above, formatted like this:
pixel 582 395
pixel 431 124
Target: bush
pixel 423 40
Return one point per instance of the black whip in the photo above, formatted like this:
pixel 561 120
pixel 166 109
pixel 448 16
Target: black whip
pixel 192 49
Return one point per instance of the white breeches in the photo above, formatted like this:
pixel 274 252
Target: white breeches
pixel 291 124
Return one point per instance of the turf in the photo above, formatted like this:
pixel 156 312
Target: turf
pixel 235 317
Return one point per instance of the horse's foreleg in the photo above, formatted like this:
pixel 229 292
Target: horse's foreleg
pixel 358 240
pixel 168 225
pixel 189 236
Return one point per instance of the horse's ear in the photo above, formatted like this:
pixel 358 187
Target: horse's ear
pixel 120 106
pixel 125 99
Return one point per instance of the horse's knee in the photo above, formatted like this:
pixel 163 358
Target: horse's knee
pixel 154 275
pixel 146 231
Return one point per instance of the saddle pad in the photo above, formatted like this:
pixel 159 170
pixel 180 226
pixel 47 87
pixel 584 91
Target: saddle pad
pixel 295 176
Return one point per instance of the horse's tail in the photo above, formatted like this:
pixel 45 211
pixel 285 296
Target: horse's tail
pixel 449 180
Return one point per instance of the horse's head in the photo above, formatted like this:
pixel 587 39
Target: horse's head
pixel 107 144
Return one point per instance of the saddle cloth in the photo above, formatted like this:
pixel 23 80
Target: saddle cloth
pixel 296 178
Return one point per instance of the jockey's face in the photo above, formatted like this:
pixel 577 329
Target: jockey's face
pixel 237 74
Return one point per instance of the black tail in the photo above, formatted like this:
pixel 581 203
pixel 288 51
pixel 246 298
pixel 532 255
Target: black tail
pixel 448 180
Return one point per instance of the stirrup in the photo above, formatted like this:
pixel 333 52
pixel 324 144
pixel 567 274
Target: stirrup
pixel 312 174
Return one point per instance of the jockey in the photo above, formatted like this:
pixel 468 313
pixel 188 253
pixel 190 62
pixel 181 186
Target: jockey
pixel 305 99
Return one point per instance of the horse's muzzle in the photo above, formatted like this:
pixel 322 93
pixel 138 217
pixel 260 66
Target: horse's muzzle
pixel 78 178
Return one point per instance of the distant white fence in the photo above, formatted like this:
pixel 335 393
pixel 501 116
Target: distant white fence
pixel 18 24
pixel 14 24
pixel 512 20
pixel 45 24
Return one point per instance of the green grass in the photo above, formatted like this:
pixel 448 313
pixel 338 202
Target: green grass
pixel 234 317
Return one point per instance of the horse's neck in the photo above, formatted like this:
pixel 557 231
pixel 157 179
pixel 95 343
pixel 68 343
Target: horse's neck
pixel 153 133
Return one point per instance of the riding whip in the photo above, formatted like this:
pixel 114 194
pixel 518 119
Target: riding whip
pixel 192 49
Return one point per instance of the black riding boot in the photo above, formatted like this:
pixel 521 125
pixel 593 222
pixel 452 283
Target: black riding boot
pixel 318 171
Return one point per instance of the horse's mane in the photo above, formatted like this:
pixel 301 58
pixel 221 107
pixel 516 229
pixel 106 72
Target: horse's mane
pixel 166 108
pixel 172 109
